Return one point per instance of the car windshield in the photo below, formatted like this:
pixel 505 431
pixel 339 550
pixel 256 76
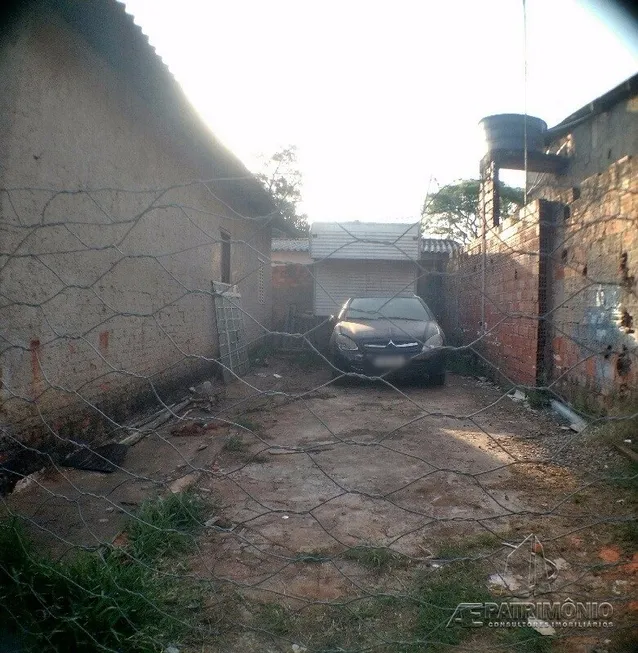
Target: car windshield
pixel 398 308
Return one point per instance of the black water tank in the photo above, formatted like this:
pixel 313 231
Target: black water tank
pixel 506 131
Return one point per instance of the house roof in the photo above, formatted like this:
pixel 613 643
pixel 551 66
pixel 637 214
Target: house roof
pixel 113 34
pixel 625 90
pixel 439 246
pixel 290 245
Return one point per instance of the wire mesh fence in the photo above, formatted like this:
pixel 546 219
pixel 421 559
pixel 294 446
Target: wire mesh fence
pixel 151 505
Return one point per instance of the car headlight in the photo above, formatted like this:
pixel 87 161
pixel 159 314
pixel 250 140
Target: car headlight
pixel 433 341
pixel 345 343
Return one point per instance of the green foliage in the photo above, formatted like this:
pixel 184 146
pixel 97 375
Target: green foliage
pixel 165 525
pixel 438 593
pixel 281 177
pixel 377 558
pixel 235 443
pixel 453 211
pixel 90 602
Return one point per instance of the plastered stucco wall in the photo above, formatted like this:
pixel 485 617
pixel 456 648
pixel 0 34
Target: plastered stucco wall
pixel 105 294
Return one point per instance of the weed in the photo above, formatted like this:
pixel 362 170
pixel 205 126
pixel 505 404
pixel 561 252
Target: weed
pixel 247 423
pixel 165 525
pixel 235 443
pixel 89 602
pixel 312 557
pixel 377 558
pixel 465 547
pixel 437 594
pixel 276 619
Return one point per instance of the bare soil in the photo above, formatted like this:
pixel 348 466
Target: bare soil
pixel 305 470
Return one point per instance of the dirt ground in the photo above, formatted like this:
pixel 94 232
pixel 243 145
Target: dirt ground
pixel 301 480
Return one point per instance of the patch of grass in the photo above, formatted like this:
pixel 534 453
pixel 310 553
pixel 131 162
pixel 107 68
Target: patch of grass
pixel 437 594
pixel 89 602
pixel 312 557
pixel 376 558
pixel 247 423
pixel 235 443
pixel 465 547
pixel 276 619
pixel 166 525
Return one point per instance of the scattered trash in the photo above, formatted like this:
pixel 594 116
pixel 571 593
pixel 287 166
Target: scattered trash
pixel 212 521
pixel 284 516
pixel 261 375
pixel 103 520
pixel 171 649
pixel 619 586
pixel 25 482
pixel 576 427
pixel 106 458
pixel 505 581
pixel 202 447
pixel 296 648
pixel 568 414
pixel 517 396
pixel 540 626
pixel 278 376
pixel 627 440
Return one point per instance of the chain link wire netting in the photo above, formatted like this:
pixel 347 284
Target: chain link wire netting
pixel 149 506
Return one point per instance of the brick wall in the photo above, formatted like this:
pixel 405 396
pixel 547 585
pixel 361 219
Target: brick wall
pixel 106 295
pixel 593 273
pixel 493 295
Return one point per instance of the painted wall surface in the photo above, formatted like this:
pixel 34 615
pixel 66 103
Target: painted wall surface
pixel 106 294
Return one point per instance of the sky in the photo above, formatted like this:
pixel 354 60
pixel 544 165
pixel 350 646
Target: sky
pixel 383 99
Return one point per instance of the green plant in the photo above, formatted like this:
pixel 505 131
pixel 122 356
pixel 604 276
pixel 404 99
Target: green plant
pixel 276 619
pixel 89 602
pixel 247 423
pixel 377 558
pixel 235 443
pixel 437 594
pixel 465 547
pixel 166 525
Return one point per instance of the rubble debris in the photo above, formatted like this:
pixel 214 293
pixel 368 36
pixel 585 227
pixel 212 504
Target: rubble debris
pixel 106 458
pixel 540 626
pixel 184 482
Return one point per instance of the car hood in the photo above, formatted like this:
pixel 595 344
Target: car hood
pixel 390 329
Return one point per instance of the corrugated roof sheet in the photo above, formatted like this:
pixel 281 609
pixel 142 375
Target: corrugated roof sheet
pixel 290 245
pixel 439 246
